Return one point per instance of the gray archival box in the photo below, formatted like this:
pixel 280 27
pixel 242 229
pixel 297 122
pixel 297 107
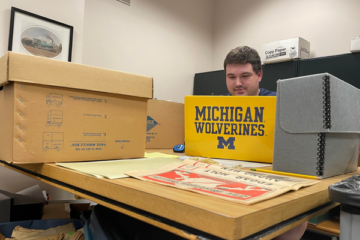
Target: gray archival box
pixel 317 126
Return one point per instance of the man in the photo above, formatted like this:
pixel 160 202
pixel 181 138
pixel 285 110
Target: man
pixel 243 74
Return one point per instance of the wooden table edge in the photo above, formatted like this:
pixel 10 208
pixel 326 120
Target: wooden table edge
pixel 270 232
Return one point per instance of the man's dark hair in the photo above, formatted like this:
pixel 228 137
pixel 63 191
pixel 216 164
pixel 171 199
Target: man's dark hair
pixel 244 55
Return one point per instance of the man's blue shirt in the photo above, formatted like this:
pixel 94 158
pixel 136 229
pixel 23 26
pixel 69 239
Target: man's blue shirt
pixel 263 92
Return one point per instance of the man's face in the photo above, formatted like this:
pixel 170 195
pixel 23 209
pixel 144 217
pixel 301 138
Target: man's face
pixel 241 80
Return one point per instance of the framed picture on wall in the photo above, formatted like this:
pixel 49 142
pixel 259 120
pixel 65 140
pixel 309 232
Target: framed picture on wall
pixel 40 36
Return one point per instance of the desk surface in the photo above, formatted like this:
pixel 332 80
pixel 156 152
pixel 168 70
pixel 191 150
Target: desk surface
pixel 220 218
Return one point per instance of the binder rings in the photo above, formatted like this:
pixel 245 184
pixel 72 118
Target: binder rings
pixel 317 126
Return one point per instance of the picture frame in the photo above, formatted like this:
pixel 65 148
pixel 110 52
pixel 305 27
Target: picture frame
pixel 40 36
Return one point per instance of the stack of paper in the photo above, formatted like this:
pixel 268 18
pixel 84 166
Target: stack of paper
pixel 158 155
pixel 116 169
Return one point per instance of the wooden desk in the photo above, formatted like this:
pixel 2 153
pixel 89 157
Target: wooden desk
pixel 189 214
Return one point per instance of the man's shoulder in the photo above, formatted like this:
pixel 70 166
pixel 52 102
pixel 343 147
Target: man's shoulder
pixel 264 92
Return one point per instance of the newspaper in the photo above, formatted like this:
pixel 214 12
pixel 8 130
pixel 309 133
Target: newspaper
pixel 241 186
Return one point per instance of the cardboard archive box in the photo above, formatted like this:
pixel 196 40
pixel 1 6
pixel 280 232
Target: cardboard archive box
pixel 285 50
pixel 317 126
pixel 55 111
pixel 230 127
pixel 165 124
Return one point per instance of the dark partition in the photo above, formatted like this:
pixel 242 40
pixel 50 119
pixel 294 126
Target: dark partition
pixel 345 66
pixel 210 83
pixel 276 71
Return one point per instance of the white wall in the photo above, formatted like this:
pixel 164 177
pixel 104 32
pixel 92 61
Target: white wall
pixel 167 40
pixel 69 12
pixel 327 24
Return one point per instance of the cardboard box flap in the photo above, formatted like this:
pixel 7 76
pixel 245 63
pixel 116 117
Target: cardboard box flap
pixel 4 69
pixel 39 70
pixel 318 105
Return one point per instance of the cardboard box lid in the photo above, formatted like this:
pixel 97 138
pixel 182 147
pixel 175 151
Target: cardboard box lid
pixel 304 105
pixel 19 67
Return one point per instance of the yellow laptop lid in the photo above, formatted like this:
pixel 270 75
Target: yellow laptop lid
pixel 230 127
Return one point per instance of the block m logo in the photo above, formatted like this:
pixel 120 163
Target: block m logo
pixel 229 143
